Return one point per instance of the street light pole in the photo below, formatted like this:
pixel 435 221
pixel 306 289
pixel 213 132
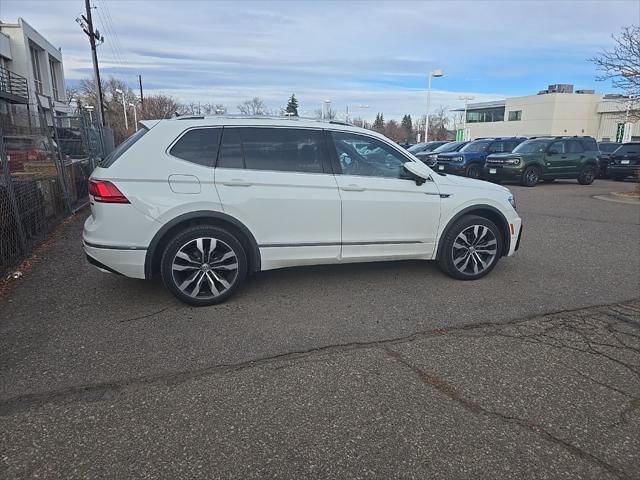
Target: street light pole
pixel 436 73
pixel 124 108
pixel 466 99
pixel 135 115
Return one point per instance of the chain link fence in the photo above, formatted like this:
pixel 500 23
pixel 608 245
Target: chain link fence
pixel 45 163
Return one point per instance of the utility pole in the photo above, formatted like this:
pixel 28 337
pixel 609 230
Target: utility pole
pixel 87 26
pixel 141 96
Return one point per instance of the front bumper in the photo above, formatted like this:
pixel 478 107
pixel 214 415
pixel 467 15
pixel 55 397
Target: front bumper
pixel 617 170
pixel 499 172
pixel 453 168
pixel 515 236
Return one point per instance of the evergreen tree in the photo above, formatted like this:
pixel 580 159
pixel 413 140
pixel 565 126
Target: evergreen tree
pixel 292 106
pixel 378 124
pixel 407 126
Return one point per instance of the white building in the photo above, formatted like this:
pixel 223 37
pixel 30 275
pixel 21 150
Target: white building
pixel 29 65
pixel 553 112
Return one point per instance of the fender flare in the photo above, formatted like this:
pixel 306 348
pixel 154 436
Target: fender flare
pixel 504 226
pixel 254 261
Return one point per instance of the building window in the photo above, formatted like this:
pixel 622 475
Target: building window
pixel 37 73
pixel 515 115
pixel 54 78
pixel 486 115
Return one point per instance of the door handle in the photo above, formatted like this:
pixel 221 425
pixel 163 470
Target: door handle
pixel 236 182
pixel 353 188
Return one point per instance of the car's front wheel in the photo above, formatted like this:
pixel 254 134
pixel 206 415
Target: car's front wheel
pixel 472 171
pixel 471 248
pixel 530 176
pixel 587 175
pixel 203 265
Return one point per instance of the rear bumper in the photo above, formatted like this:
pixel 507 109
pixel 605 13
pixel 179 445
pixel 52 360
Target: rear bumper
pixel 127 262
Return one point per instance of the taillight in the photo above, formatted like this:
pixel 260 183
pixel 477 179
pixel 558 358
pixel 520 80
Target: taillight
pixel 106 192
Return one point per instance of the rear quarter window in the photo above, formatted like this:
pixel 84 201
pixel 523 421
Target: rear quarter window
pixel 123 147
pixel 199 146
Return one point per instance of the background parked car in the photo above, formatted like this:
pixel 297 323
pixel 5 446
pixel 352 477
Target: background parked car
pixel 625 162
pixel 431 158
pixel 425 147
pixel 470 160
pixel 546 159
pixel 606 149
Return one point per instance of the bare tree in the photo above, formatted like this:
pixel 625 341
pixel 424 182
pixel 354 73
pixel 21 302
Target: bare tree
pixel 621 65
pixel 255 106
pixel 160 106
pixel 329 113
pixel 393 131
pixel 438 123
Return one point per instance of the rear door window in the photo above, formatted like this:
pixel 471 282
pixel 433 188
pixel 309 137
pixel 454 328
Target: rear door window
pixel 274 149
pixel 199 145
pixel 574 146
pixel 557 147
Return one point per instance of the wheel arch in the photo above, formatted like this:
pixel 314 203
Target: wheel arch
pixel 202 217
pixel 486 211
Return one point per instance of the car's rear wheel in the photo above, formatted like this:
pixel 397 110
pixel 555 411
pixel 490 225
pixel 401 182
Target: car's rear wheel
pixel 587 175
pixel 471 248
pixel 472 171
pixel 203 265
pixel 531 176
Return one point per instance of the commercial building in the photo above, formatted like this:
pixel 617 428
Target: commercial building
pixel 556 111
pixel 30 69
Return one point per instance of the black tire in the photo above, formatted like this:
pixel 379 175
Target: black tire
pixel 587 175
pixel 229 252
pixel 549 180
pixel 451 257
pixel 530 176
pixel 472 171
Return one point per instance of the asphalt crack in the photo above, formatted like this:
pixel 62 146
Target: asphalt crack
pixel 451 392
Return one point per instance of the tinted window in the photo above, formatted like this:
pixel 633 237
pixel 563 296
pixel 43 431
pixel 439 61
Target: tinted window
pixel 496 147
pixel 628 148
pixel 608 147
pixel 574 146
pixel 366 156
pixel 199 146
pixel 123 147
pixel 231 149
pixel 278 149
pixel 557 147
pixel 532 146
pixel 417 148
pixel 477 146
pixel 449 147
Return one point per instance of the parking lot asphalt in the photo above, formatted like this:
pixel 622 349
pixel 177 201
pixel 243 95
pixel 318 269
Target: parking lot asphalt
pixel 364 371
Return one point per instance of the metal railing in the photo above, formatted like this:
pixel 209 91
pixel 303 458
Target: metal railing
pixel 14 84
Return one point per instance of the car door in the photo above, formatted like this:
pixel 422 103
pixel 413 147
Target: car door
pixel 385 214
pixel 575 158
pixel 556 158
pixel 278 182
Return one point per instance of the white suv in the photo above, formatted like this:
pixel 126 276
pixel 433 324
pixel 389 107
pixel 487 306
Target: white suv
pixel 204 202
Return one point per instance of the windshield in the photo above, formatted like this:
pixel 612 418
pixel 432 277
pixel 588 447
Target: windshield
pixel 449 147
pixel 477 146
pixel 532 146
pixel 608 147
pixel 418 147
pixel 628 148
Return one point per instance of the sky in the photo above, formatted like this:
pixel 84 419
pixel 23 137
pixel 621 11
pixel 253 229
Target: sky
pixel 360 54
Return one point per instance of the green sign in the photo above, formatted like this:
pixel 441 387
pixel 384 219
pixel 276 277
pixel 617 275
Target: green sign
pixel 620 133
pixel 460 134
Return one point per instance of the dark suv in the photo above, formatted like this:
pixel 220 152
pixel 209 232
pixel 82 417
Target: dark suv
pixel 625 161
pixel 431 158
pixel 470 159
pixel 546 158
pixel 606 149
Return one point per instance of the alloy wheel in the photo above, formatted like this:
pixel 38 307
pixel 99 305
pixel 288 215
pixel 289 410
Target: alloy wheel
pixel 204 268
pixel 531 176
pixel 474 250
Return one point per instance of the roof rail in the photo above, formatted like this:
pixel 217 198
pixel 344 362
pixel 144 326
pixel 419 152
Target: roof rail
pixel 340 122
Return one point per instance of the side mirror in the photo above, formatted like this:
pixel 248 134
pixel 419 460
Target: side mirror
pixel 419 171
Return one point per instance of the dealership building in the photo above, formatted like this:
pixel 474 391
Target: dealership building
pixel 555 111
